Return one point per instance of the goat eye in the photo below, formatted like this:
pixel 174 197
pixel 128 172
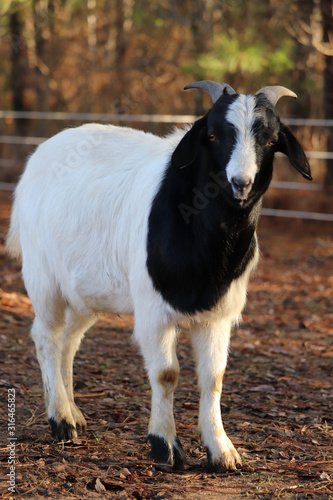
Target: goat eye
pixel 212 137
pixel 271 142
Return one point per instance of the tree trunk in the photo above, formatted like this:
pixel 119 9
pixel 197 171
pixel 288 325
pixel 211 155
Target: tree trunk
pixel 18 68
pixel 201 27
pixel 124 10
pixel 327 20
pixel 92 33
pixel 41 69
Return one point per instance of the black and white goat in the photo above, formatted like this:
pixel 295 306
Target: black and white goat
pixel 115 220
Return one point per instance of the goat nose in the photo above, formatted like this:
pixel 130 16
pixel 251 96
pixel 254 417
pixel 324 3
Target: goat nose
pixel 241 187
pixel 241 183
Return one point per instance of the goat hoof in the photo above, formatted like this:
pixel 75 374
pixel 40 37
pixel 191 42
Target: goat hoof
pixel 79 419
pixel 229 461
pixel 160 452
pixel 62 431
pixel 165 456
pixel 179 457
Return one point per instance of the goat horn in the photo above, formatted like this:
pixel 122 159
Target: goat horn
pixel 214 89
pixel 274 93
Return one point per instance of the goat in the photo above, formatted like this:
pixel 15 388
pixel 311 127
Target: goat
pixel 115 220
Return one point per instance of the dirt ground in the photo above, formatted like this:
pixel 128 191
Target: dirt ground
pixel 277 398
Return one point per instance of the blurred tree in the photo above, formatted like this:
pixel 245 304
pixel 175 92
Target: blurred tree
pixel 51 9
pixel 41 69
pixel 91 22
pixel 201 23
pixel 124 9
pixel 313 27
pixel 135 57
pixel 247 45
pixel 17 59
pixel 327 49
pixel 18 70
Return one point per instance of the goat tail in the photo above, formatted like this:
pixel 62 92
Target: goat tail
pixel 13 244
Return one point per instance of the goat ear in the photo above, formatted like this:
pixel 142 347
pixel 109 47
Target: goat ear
pixel 289 145
pixel 187 150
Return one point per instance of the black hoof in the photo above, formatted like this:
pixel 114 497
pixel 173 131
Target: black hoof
pixel 62 431
pixel 166 457
pixel 179 457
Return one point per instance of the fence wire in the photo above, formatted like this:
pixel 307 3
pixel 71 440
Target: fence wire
pixel 164 119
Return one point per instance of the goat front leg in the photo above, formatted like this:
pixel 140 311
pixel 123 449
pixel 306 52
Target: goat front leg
pixel 158 347
pixel 211 349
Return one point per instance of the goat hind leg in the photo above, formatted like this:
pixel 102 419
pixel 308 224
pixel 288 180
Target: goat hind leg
pixel 76 326
pixel 47 336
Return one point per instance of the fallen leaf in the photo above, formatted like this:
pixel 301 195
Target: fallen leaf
pixel 99 486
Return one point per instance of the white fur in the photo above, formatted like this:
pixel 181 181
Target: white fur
pixel 80 220
pixel 243 162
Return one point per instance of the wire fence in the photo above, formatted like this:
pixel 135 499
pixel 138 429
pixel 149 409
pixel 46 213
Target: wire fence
pixel 163 119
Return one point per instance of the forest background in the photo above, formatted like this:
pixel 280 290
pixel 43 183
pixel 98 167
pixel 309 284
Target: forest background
pixel 132 57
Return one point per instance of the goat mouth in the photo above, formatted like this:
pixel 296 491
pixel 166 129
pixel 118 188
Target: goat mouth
pixel 241 202
pixel 237 201
pixel 240 197
pixel 232 200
